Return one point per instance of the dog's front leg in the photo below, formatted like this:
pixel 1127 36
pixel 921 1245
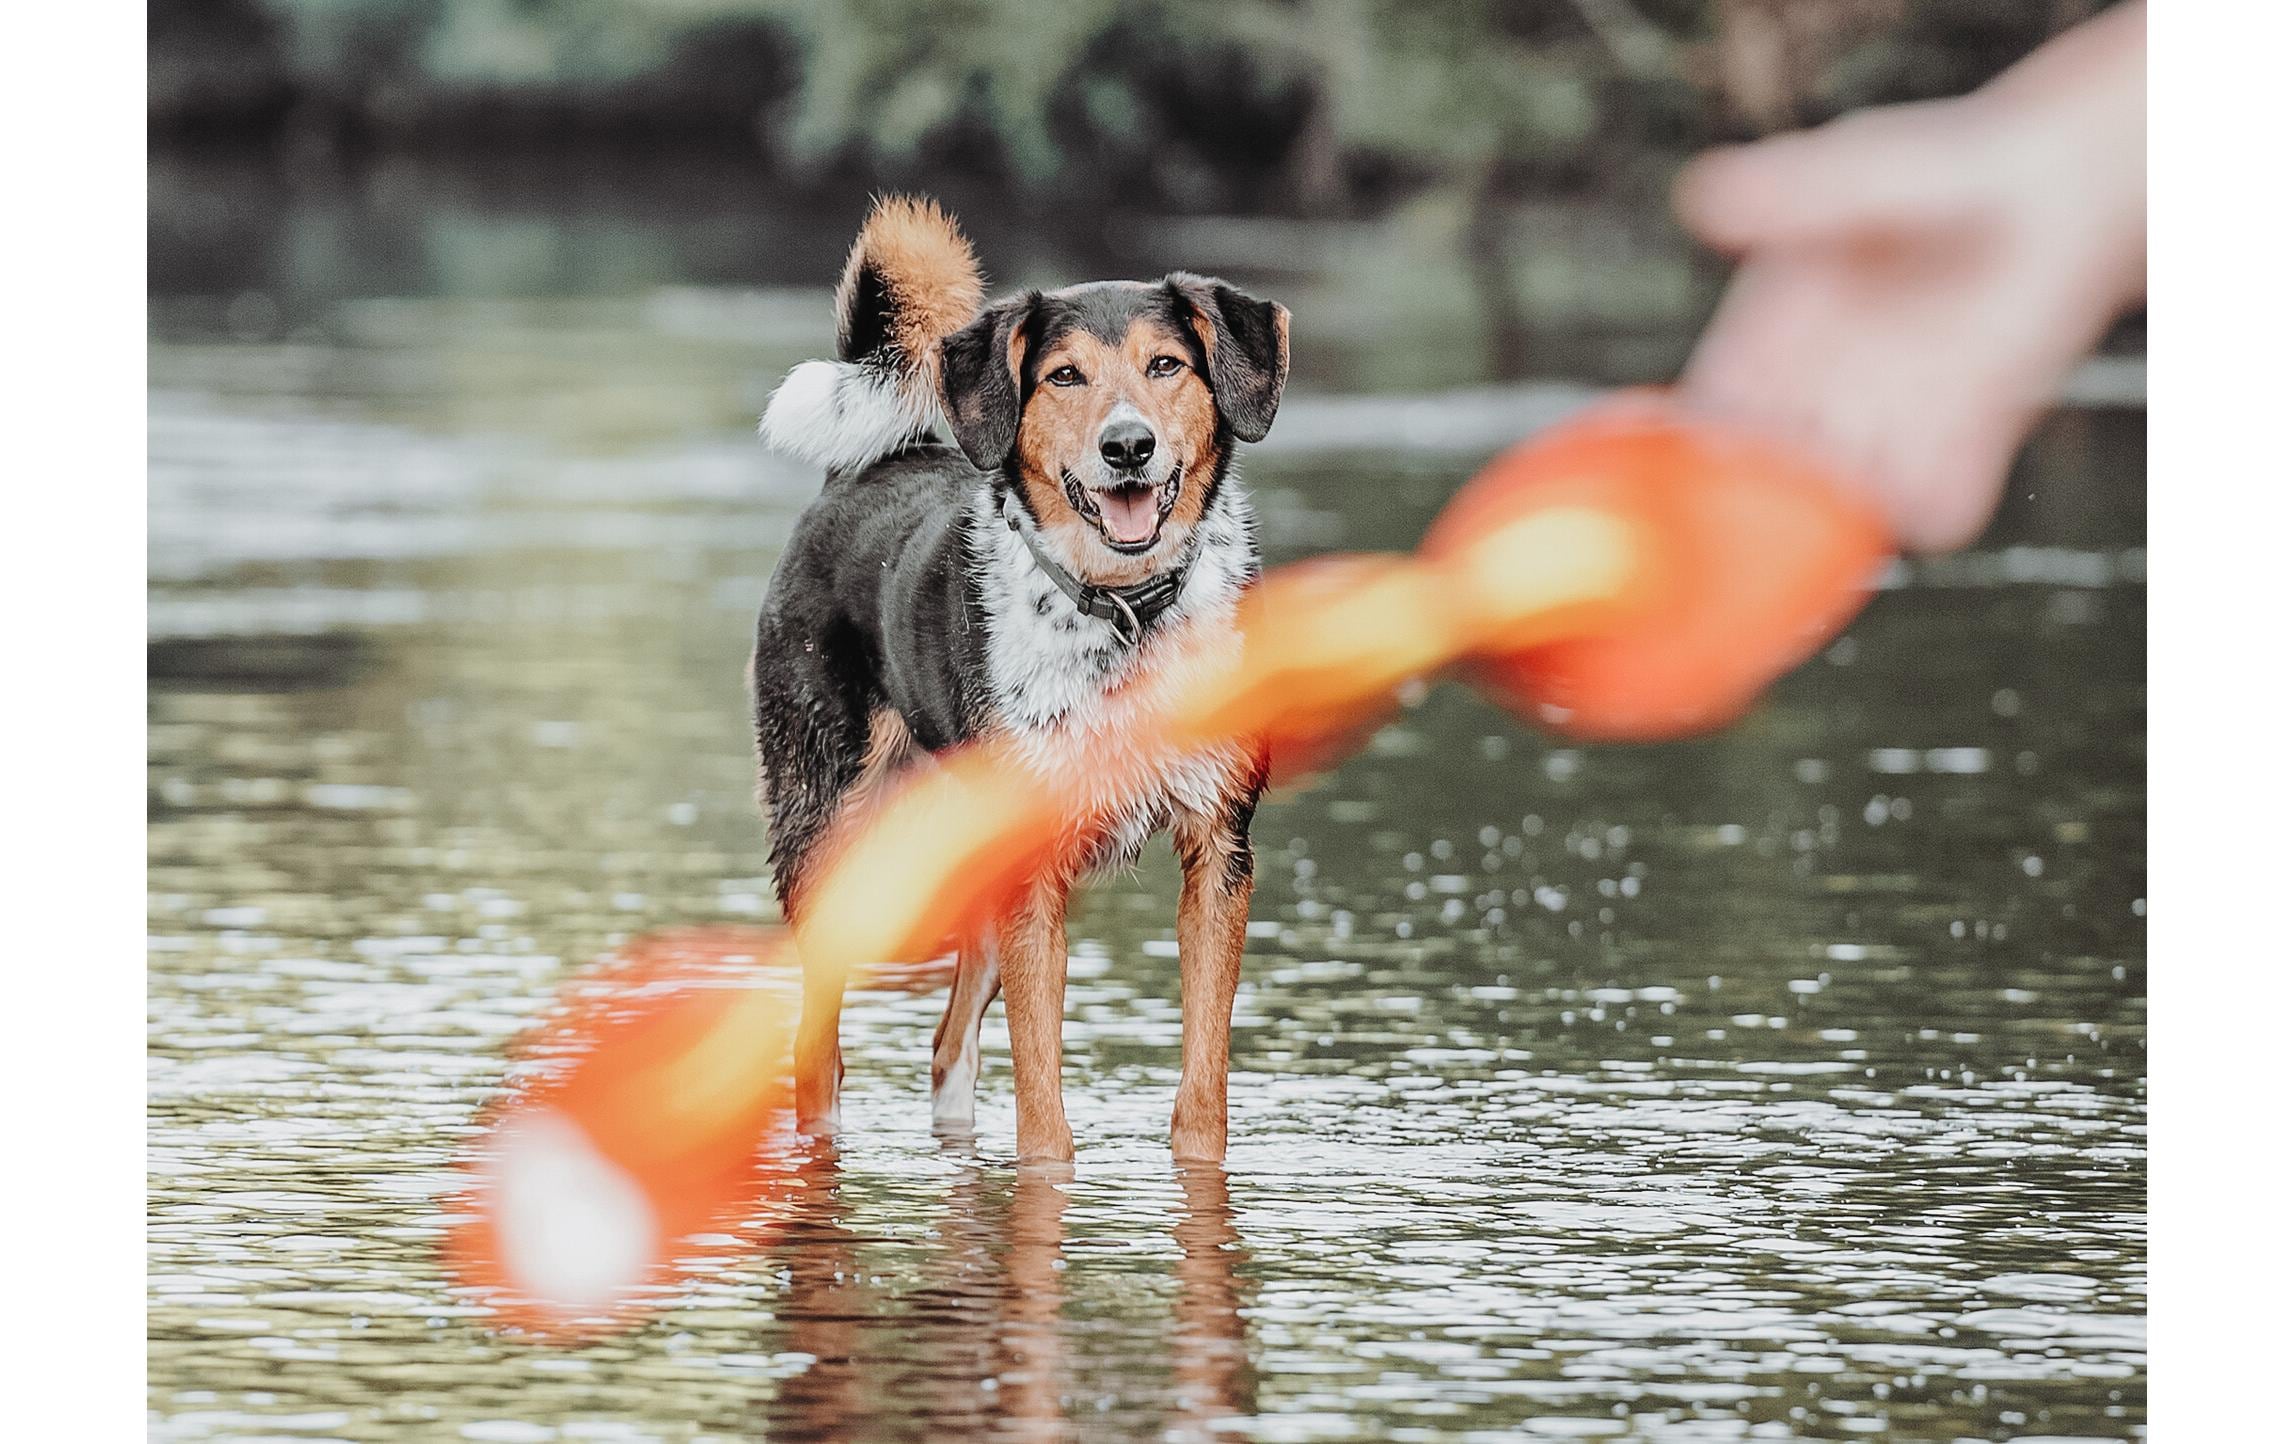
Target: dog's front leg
pixel 1214 916
pixel 956 1043
pixel 1035 1004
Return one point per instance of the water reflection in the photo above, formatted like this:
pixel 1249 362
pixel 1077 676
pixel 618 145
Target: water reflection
pixel 977 1341
pixel 1211 1376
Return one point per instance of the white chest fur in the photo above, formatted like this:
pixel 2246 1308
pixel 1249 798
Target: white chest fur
pixel 1066 685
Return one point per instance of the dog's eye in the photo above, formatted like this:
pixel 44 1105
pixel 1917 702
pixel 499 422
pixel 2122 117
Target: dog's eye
pixel 1163 366
pixel 1065 376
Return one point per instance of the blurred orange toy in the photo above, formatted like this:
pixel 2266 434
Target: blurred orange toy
pixel 1743 558
pixel 1630 574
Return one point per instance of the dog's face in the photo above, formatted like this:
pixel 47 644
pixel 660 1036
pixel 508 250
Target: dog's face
pixel 1119 425
pixel 1114 408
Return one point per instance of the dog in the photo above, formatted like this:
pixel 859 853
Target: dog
pixel 1016 584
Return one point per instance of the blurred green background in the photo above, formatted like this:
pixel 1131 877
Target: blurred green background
pixel 1458 192
pixel 1311 106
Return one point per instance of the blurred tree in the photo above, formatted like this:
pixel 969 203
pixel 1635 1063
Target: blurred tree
pixel 1313 105
pixel 214 63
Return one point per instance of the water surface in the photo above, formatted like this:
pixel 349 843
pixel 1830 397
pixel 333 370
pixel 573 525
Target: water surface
pixel 1788 1083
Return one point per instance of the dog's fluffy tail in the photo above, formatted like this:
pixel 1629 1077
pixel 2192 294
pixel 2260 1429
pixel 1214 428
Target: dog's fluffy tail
pixel 910 281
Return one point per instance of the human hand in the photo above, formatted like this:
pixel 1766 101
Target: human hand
pixel 1917 279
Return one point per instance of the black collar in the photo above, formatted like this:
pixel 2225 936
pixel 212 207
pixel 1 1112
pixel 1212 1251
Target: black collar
pixel 1132 609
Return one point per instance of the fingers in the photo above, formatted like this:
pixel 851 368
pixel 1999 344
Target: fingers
pixel 1902 168
pixel 1940 490
pixel 1754 352
pixel 1916 279
pixel 1902 392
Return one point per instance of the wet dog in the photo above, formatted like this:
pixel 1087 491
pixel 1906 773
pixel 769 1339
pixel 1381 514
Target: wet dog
pixel 1018 583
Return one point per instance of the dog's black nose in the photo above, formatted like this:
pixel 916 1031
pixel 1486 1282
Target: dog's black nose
pixel 1127 444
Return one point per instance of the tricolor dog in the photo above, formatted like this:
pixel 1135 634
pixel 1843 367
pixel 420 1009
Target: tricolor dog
pixel 1020 583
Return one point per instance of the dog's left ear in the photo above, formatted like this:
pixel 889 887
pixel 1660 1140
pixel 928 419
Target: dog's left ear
pixel 1246 343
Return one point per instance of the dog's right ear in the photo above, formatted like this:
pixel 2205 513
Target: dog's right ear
pixel 980 380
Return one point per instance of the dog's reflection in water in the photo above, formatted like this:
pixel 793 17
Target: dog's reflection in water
pixel 978 1343
pixel 1211 1372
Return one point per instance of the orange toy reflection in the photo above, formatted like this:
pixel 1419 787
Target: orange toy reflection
pixel 1629 575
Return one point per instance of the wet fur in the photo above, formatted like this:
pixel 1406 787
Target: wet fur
pixel 906 617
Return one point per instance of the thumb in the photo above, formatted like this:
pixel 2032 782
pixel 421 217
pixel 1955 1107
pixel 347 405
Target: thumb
pixel 1901 168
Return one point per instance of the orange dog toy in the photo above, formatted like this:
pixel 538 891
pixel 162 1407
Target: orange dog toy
pixel 1630 574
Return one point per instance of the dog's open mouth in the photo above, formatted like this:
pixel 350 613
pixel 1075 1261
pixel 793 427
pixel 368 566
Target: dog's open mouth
pixel 1129 514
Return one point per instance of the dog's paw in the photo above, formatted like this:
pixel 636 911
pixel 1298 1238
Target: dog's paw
pixel 1048 1148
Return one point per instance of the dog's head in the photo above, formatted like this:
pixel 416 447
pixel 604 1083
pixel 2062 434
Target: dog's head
pixel 1114 408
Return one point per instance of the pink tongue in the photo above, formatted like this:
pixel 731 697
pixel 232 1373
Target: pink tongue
pixel 1129 513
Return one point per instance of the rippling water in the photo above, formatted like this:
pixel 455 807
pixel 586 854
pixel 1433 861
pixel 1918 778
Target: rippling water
pixel 1788 1083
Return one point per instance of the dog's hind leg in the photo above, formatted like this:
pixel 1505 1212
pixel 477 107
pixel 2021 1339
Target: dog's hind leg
pixel 956 1044
pixel 819 1055
pixel 813 747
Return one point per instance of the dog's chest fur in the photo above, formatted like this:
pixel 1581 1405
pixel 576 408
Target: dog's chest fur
pixel 1065 686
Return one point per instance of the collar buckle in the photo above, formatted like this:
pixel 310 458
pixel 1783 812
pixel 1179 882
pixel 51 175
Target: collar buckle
pixel 1128 628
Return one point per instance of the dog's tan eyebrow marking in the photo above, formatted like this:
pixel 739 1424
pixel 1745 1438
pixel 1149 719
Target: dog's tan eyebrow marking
pixel 1086 353
pixel 1152 336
